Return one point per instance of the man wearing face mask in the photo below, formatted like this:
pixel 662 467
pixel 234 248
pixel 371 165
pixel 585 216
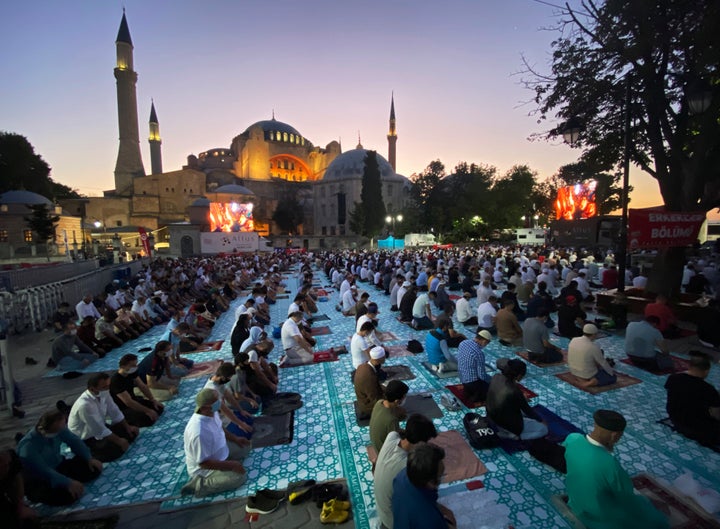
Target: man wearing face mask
pixel 213 464
pixel 238 422
pixel 50 477
pixel 387 413
pixel 600 492
pixel 154 370
pixel 88 417
pixel 126 389
pixel 69 353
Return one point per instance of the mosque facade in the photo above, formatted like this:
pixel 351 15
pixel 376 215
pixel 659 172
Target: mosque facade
pixel 270 160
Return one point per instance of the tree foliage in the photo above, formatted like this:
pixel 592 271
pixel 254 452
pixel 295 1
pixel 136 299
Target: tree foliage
pixel 371 196
pixel 22 168
pixel 42 221
pixel 288 214
pixel 660 50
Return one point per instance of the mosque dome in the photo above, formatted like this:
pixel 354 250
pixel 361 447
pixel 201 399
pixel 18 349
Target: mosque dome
pixel 274 130
pixel 24 197
pixel 201 202
pixel 351 164
pixel 233 189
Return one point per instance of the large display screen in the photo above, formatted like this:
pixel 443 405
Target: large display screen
pixel 577 201
pixel 231 217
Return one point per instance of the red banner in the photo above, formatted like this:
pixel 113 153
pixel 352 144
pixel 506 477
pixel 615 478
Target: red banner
pixel 145 241
pixel 657 228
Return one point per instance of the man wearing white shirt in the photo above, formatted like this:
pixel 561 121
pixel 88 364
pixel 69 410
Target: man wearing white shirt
pixel 464 312
pixel 486 314
pixel 88 418
pixel 86 308
pixel 360 345
pixel 401 292
pixel 370 316
pixel 348 301
pixel 484 291
pixel 297 349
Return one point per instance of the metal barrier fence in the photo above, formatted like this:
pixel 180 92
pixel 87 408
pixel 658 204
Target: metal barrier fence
pixel 21 278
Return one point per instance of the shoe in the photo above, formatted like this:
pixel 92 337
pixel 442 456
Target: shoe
pixel 450 403
pixel 325 492
pixel 336 504
pixel 441 367
pixel 336 516
pixel 300 495
pixel 51 363
pixel 63 407
pixel 272 494
pixel 261 504
pixel 189 488
pixel 30 361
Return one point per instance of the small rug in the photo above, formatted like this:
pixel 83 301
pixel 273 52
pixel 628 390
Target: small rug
pixel 318 357
pixel 680 365
pixel 457 390
pixel 524 355
pixel 559 430
pixel 108 522
pixel 203 369
pixel 454 297
pixel 424 404
pixel 623 381
pixel 386 336
pixel 208 346
pixel 396 350
pixel 270 430
pixel 444 374
pixel 400 372
pixel 682 513
pixel 319 317
pixel 282 296
pixel 320 331
pixel 460 461
pixel 282 403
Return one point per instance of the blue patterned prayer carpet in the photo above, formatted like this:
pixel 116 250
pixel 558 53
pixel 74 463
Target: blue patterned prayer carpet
pixel 329 444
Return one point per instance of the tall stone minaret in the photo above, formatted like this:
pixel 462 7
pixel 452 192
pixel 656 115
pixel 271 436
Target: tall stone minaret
pixel 392 134
pixel 155 142
pixel 129 161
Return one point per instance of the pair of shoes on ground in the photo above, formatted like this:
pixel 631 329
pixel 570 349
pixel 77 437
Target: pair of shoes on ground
pixel 440 368
pixel 299 491
pixel 335 511
pixel 265 501
pixel 450 403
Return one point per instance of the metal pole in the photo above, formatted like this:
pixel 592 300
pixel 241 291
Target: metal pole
pixel 622 251
pixel 8 385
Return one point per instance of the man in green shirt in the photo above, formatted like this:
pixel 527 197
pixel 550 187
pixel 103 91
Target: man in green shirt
pixel 600 492
pixel 387 413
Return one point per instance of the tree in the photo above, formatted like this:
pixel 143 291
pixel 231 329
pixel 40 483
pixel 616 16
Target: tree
pixel 288 214
pixel 22 168
pixel 42 222
pixel 662 51
pixel 356 220
pixel 371 196
pixel 427 192
pixel 512 198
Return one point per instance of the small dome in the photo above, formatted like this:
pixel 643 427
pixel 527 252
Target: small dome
pixel 233 189
pixel 351 164
pixel 24 197
pixel 201 202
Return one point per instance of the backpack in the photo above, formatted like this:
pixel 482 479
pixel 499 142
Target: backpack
pixel 415 347
pixel 480 432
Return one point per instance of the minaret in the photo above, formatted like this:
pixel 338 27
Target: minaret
pixel 392 134
pixel 155 142
pixel 129 161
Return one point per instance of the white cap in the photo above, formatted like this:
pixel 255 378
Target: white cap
pixel 590 328
pixel 376 353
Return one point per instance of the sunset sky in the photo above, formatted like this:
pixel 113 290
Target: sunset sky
pixel 327 68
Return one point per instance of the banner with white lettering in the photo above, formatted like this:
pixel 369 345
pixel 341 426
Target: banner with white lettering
pixel 223 242
pixel 657 228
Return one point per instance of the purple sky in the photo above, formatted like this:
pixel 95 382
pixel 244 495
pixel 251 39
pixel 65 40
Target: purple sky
pixel 326 67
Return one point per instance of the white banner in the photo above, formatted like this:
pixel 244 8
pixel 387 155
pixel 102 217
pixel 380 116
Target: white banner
pixel 223 242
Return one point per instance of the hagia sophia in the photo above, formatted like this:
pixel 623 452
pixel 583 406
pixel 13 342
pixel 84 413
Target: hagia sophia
pixel 268 161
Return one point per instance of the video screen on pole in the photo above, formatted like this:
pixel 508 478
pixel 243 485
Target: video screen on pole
pixel 231 217
pixel 576 201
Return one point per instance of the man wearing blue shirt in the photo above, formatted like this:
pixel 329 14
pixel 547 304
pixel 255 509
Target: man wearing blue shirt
pixel 471 366
pixel 49 477
pixel 646 346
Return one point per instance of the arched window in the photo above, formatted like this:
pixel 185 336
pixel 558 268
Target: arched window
pixel 285 136
pixel 272 135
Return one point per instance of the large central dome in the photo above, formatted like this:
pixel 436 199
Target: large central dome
pixel 351 164
pixel 277 131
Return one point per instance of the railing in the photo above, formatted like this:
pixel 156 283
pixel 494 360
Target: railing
pixel 21 278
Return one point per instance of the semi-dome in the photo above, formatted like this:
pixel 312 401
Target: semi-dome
pixel 351 164
pixel 233 189
pixel 24 197
pixel 201 202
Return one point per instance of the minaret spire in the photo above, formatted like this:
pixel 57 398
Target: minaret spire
pixel 155 141
pixel 392 133
pixel 129 161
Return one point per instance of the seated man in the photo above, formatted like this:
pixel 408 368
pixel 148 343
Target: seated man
pixel 297 349
pixel 51 478
pixel 69 353
pixel 600 492
pixel 154 371
pixel 415 491
pixel 471 366
pixel 105 331
pixel 140 411
pixel 693 404
pixel 239 422
pixel 62 316
pixel 360 345
pixel 387 413
pixel 88 417
pixel 586 360
pixel 437 348
pixel 641 340
pixel 407 303
pixel 212 455
pixel 508 327
pixel 463 311
pixel 667 320
pixel 571 318
pixel 421 311
pixel 487 314
pixel 536 340
pixel 393 458
pixel 367 383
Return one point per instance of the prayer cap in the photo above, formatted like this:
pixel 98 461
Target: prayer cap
pixel 485 334
pixel 204 397
pixel 610 420
pixel 376 353
pixel 590 328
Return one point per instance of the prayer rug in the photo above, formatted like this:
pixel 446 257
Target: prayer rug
pixel 479 508
pixel 320 331
pixel 408 323
pixel 319 317
pixel 623 381
pixel 454 297
pixel 108 522
pixel 400 372
pixel 282 403
pixel 424 404
pixel 282 296
pixel 560 503
pixel 599 336
pixel 524 355
pixel 683 513
pixel 203 369
pixel 393 351
pixel 679 366
pixel 318 357
pixel 270 430
pixel 460 461
pixel 457 390
pixel 208 346
pixel 386 336
pixel 437 374
pixel 558 428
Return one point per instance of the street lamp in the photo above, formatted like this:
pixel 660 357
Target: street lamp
pixel 390 219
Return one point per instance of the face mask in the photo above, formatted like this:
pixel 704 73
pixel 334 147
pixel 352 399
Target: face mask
pixel 216 406
pixel 105 393
pixel 132 370
pixel 73 332
pixel 51 435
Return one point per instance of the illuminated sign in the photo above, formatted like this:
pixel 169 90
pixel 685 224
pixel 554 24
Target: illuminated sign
pixel 231 217
pixel 577 201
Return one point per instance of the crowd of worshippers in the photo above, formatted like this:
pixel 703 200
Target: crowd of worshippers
pixel 509 287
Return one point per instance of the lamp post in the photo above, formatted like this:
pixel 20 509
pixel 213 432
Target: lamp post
pixel 390 219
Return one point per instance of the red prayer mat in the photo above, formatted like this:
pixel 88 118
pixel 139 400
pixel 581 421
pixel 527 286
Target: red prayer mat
pixel 524 355
pixel 623 381
pixel 320 331
pixel 328 355
pixel 679 365
pixel 457 390
pixel 203 369
pixel 208 346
